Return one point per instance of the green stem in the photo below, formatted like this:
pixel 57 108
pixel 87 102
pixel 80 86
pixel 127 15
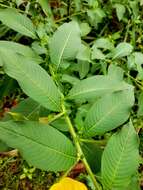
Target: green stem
pixel 100 142
pixel 74 14
pixel 136 81
pixel 79 149
pixel 56 117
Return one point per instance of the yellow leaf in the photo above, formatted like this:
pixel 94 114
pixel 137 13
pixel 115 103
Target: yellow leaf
pixel 68 184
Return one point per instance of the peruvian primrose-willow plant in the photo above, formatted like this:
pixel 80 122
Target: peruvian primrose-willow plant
pixel 59 125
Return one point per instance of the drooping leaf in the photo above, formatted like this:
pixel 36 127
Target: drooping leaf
pixel 18 22
pixel 96 86
pixel 33 80
pixel 123 49
pixel 109 112
pixel 40 145
pixel 120 159
pixel 68 184
pixel 120 10
pixel 65 43
pixel 20 49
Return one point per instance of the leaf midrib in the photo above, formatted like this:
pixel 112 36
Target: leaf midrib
pixel 39 143
pixel 97 89
pixel 62 51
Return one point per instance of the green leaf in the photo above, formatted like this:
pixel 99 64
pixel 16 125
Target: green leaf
pixel 97 53
pixel 116 72
pixel 85 28
pixel 140 104
pixel 83 53
pixel 84 67
pixel 40 145
pixel 60 124
pixel 135 8
pixel 33 80
pixel 27 108
pixel 80 115
pixel 109 112
pixel 120 10
pixel 45 6
pixel 65 43
pixel 141 2
pixel 18 22
pixel 8 85
pixel 96 86
pixel 3 147
pixel 70 79
pixel 134 184
pixel 93 155
pixel 20 49
pixel 120 159
pixel 95 16
pixel 103 43
pixel 123 49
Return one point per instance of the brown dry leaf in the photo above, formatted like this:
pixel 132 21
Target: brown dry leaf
pixel 68 184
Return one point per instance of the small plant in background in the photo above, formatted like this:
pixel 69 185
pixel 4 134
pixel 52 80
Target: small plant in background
pixel 79 82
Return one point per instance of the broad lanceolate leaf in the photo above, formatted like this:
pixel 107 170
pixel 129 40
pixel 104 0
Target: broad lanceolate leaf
pixel 18 22
pixel 65 43
pixel 123 49
pixel 120 159
pixel 20 49
pixel 41 145
pixel 33 79
pixel 109 112
pixel 68 184
pixel 96 86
